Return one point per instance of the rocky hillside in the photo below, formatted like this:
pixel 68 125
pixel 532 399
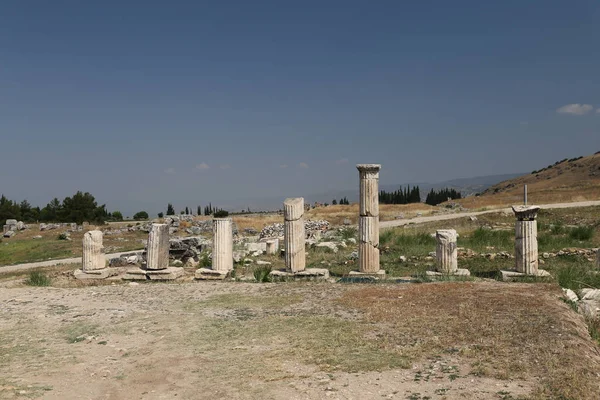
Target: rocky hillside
pixel 575 179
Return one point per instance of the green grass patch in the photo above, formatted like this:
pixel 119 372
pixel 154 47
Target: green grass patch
pixel 37 278
pixel 23 251
pixel 78 331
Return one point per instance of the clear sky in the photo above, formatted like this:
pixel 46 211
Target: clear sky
pixel 147 102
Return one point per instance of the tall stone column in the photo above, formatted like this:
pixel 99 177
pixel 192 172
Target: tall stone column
pixel 294 235
pixel 526 246
pixel 93 251
pixel 368 221
pixel 158 247
pixel 446 251
pixel 222 256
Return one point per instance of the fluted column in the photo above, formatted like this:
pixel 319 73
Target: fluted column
pixel 222 256
pixel 294 235
pixel 526 246
pixel 446 251
pixel 158 247
pixel 368 221
pixel 93 251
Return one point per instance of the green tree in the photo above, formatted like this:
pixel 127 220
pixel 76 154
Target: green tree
pixel 117 216
pixel 187 211
pixel 140 215
pixel 170 209
pixel 160 215
pixel 333 202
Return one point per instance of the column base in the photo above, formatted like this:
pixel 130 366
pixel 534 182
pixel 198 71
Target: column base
pixel 376 274
pixel 207 274
pixel 167 274
pixel 95 273
pixel 509 275
pixel 307 274
pixel 458 272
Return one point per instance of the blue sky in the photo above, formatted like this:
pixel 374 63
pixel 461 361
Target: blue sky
pixel 145 102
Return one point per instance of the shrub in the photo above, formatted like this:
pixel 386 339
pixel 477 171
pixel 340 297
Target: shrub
pixel 349 232
pixel 160 215
pixel 221 214
pixel 581 233
pixel 64 236
pixel 261 274
pixel 37 278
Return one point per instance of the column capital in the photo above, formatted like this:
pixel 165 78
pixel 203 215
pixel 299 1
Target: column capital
pixel 525 213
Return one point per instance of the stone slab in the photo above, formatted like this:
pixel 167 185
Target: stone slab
pixel 308 274
pixel 167 274
pixel 458 272
pixel 207 274
pixel 95 274
pixel 508 275
pixel 377 274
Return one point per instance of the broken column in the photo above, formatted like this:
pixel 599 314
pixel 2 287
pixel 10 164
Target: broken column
pixel 93 260
pixel 526 246
pixel 272 246
pixel 222 254
pixel 446 251
pixel 294 235
pixel 157 258
pixel 368 219
pixel 447 254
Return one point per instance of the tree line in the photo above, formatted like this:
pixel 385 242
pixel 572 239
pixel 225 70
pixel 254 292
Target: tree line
pixel 434 198
pixel 78 208
pixel 208 210
pixel 343 201
pixel 401 196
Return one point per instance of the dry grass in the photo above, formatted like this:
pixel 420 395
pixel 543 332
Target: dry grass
pixel 387 212
pixel 505 331
pixel 256 221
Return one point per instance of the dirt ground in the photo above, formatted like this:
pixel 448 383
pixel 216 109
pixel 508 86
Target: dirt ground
pixel 216 340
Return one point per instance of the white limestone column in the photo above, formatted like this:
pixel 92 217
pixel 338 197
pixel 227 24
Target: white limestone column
pixel 157 256
pixel 526 246
pixel 294 235
pixel 446 251
pixel 222 255
pixel 368 220
pixel 93 251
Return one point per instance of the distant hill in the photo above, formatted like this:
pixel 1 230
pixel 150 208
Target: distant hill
pixel 568 180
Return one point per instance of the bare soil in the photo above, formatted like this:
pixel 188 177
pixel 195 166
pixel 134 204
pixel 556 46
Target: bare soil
pixel 212 340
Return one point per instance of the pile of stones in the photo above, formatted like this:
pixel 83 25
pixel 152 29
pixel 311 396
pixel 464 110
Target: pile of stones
pixel 69 225
pixel 276 230
pixel 12 226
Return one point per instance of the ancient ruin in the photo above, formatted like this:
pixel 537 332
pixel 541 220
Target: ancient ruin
pixel 294 234
pixel 447 254
pixel 93 260
pixel 222 254
pixel 526 246
pixel 272 247
pixel 156 266
pixel 368 220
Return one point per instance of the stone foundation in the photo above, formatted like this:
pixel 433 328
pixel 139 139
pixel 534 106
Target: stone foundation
pixel 166 274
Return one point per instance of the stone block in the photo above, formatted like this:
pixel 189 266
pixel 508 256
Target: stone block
pixel 95 274
pixel 210 274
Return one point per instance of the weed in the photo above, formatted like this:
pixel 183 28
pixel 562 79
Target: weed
pixel 262 273
pixel 37 278
pixel 581 233
pixel 349 232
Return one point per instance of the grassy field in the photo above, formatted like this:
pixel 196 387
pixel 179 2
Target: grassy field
pixel 23 248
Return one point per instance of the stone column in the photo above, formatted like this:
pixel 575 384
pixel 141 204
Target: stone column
pixel 368 221
pixel 446 251
pixel 526 247
pixel 222 255
pixel 272 247
pixel 158 247
pixel 93 251
pixel 294 235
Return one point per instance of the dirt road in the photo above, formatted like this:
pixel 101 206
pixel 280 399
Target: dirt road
pixel 418 220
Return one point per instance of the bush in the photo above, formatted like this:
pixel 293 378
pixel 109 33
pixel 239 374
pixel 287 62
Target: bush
pixel 160 215
pixel 37 278
pixel 581 233
pixel 261 274
pixel 140 215
pixel 349 233
pixel 221 214
pixel 64 236
pixel 117 216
